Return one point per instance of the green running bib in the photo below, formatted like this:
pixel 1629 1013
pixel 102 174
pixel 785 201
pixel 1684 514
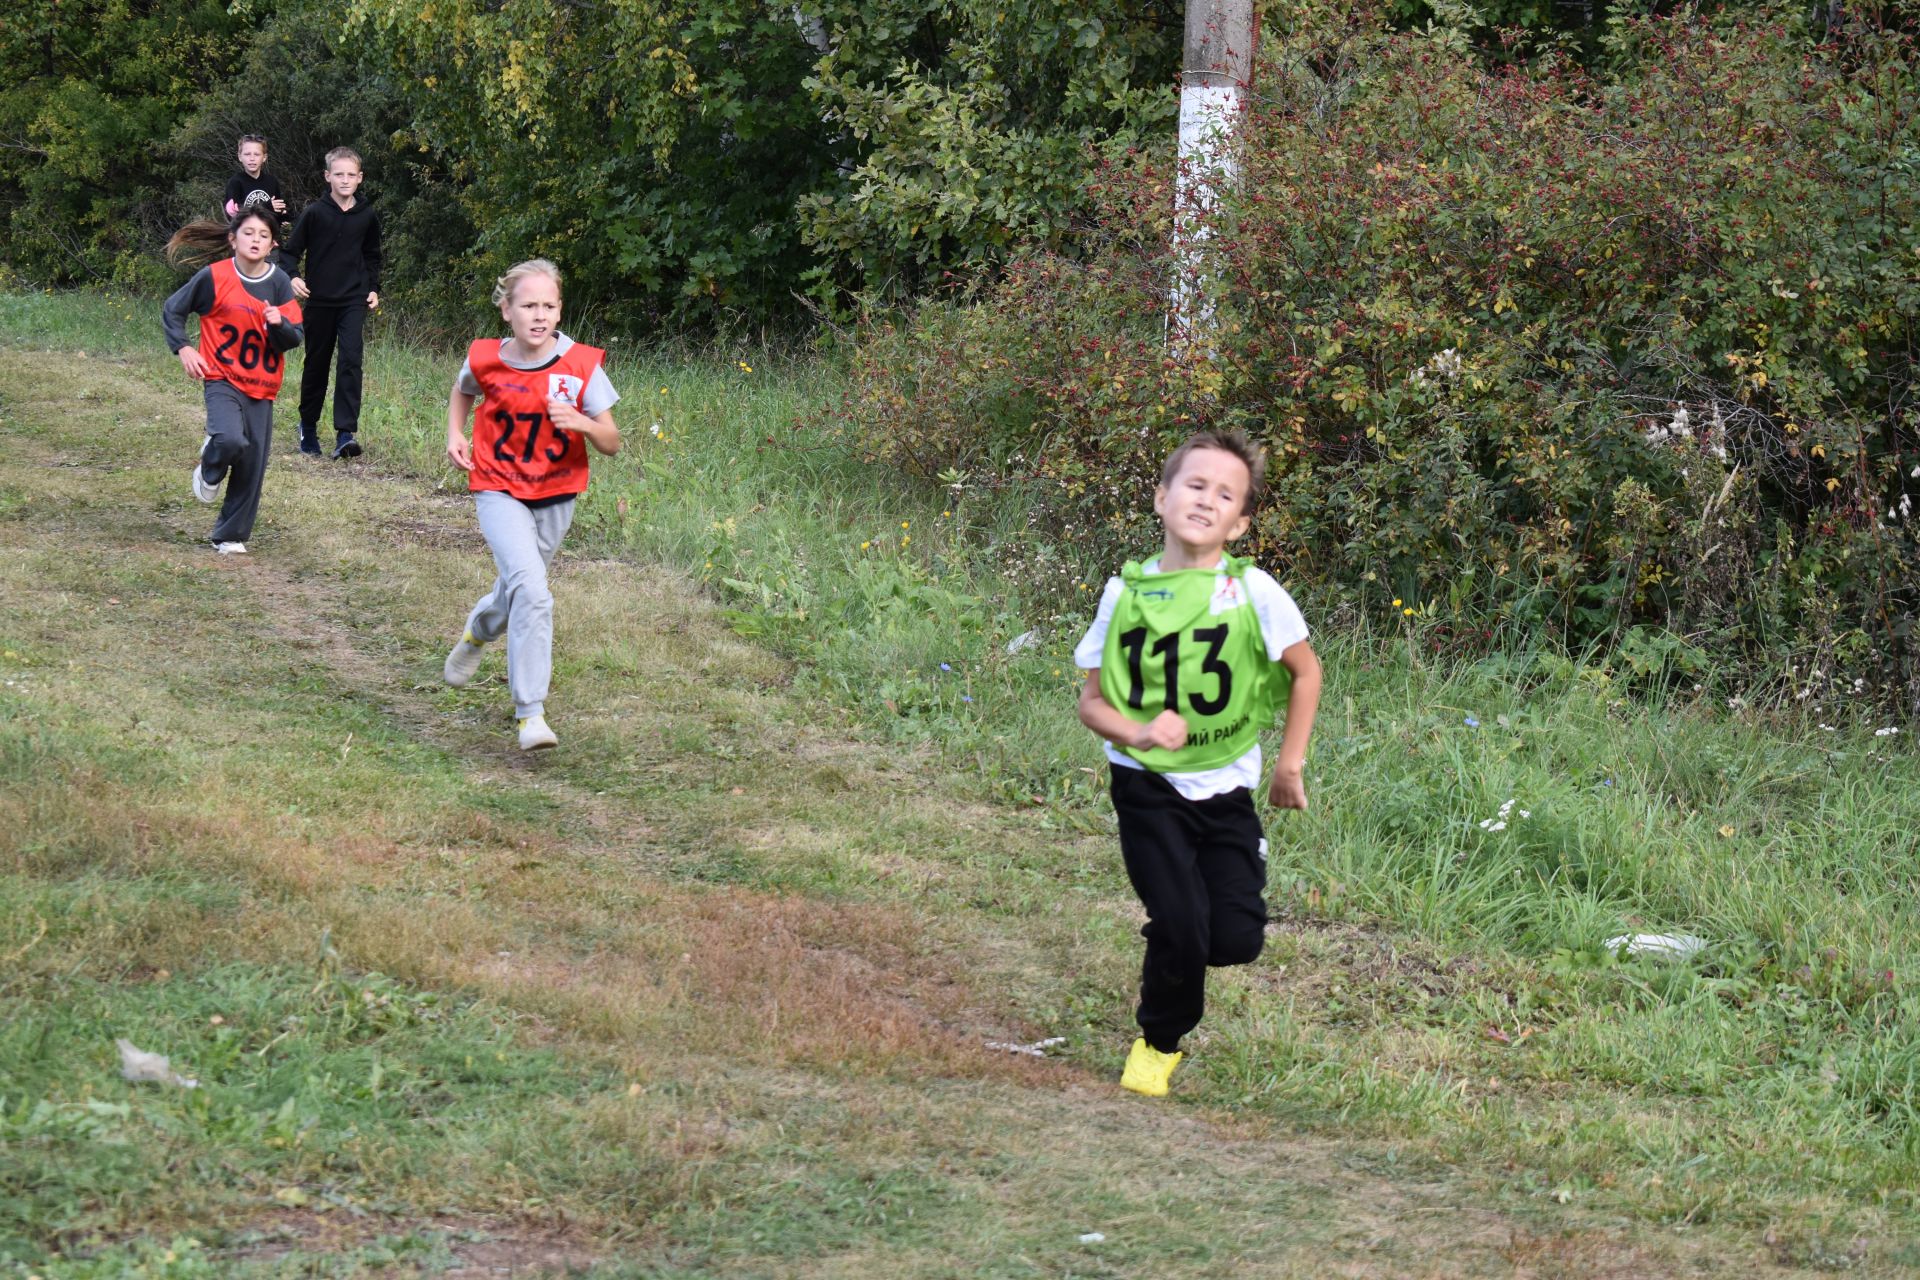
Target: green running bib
pixel 1177 644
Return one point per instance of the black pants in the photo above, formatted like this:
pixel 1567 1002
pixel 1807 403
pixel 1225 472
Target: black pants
pixel 1199 867
pixel 326 326
pixel 239 434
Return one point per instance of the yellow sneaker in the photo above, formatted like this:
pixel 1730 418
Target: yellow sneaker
pixel 1148 1070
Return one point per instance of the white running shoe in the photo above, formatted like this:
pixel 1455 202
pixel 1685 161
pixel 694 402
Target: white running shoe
pixel 535 735
pixel 462 661
pixel 231 548
pixel 201 489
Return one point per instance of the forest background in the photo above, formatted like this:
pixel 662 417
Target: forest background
pixel 1580 323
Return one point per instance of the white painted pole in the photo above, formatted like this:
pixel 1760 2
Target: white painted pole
pixel 1216 71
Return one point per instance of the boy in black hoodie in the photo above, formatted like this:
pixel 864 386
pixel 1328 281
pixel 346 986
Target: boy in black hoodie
pixel 339 238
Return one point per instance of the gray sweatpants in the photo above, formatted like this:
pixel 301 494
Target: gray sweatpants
pixel 239 435
pixel 520 607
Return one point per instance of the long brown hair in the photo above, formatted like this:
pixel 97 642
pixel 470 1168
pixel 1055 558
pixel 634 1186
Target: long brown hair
pixel 203 241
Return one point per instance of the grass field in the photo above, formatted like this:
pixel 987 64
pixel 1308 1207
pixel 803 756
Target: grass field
pixel 708 990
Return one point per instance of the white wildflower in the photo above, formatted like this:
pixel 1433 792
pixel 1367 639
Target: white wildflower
pixel 1887 732
pixel 1447 364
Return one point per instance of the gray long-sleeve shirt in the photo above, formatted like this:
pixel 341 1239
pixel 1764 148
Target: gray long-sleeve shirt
pixel 196 297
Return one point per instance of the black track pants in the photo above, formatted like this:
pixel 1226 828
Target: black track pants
pixel 1199 867
pixel 328 326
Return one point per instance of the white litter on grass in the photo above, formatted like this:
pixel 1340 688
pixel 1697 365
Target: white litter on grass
pixel 1664 946
pixel 1025 640
pixel 142 1067
pixel 1038 1049
pixel 1093 1237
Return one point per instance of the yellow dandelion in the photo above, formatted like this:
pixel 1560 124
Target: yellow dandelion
pixel 906 524
pixel 865 545
pixel 905 539
pixel 1396 602
pixel 1406 613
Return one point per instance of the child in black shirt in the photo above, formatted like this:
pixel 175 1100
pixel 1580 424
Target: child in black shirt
pixel 338 236
pixel 253 187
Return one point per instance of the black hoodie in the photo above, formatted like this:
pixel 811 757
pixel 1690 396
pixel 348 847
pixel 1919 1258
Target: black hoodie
pixel 341 248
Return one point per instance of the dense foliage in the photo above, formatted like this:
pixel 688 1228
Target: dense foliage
pixel 688 162
pixel 1625 358
pixel 90 92
pixel 724 157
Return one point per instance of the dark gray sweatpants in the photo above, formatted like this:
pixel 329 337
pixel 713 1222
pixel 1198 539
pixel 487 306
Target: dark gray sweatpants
pixel 239 434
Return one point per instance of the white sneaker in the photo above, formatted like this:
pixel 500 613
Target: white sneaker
pixel 231 548
pixel 462 661
pixel 535 735
pixel 201 489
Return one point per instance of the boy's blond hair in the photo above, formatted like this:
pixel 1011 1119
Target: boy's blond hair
pixel 344 153
pixel 504 286
pixel 1234 442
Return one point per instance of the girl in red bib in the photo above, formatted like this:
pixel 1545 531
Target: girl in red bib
pixel 248 321
pixel 543 399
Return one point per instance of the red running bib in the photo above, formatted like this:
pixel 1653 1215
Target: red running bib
pixel 516 448
pixel 233 336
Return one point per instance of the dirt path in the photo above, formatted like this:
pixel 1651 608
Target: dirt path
pixel 714 884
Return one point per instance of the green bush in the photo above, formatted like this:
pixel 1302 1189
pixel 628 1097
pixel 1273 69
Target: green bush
pixel 1593 358
pixel 89 93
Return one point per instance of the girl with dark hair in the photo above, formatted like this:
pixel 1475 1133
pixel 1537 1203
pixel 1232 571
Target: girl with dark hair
pixel 248 320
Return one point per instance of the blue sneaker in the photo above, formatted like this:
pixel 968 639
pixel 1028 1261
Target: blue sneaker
pixel 309 439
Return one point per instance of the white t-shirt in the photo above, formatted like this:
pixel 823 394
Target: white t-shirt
pixel 1281 626
pixel 598 397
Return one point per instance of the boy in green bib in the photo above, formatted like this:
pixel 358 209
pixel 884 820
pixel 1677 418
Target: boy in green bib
pixel 1187 660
